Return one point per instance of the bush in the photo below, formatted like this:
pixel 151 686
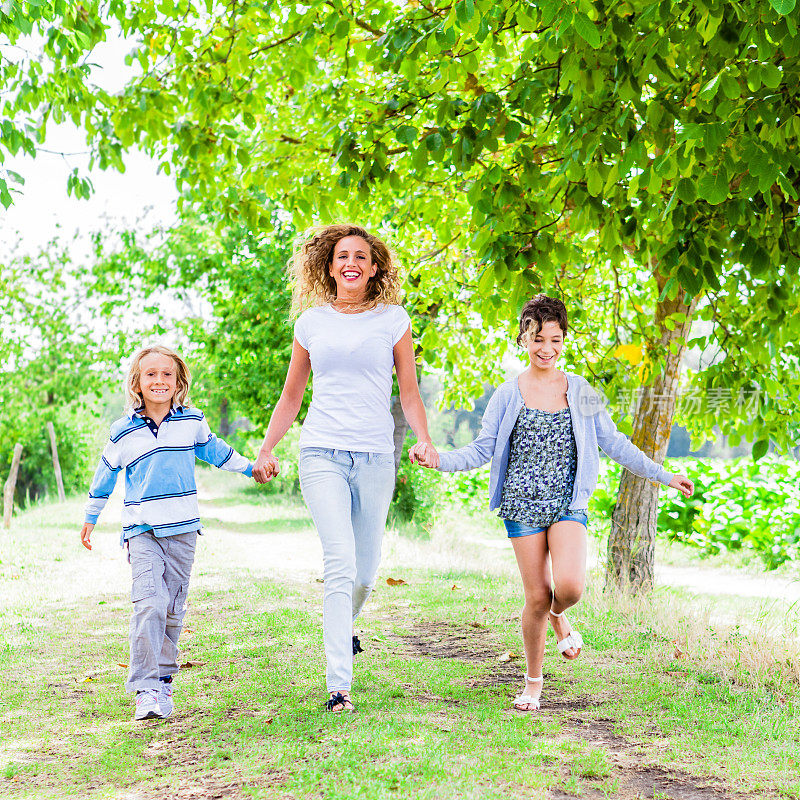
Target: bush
pixel 416 491
pixel 287 481
pixel 738 505
pixel 79 436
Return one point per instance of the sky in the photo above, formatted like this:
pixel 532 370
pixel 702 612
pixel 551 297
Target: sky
pixel 44 210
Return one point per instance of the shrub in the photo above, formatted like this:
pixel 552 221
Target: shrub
pixel 738 504
pixel 416 491
pixel 79 435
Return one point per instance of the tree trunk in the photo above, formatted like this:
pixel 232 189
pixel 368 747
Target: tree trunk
pixel 56 465
pixel 631 543
pixel 11 483
pixel 400 430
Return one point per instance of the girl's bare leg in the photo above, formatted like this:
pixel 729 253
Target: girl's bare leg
pixel 531 553
pixel 566 542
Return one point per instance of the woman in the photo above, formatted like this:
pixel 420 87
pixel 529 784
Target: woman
pixel 542 431
pixel 350 334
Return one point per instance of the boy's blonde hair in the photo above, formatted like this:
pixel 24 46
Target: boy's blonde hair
pixel 312 284
pixel 183 378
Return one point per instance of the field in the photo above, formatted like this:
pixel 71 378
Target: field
pixel 682 695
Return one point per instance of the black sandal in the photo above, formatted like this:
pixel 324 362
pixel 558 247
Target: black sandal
pixel 338 699
pixel 357 648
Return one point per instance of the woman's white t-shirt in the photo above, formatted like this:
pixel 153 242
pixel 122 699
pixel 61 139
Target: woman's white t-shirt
pixel 352 356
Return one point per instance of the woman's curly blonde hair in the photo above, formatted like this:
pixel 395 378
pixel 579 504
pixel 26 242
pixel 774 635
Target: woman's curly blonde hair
pixel 312 282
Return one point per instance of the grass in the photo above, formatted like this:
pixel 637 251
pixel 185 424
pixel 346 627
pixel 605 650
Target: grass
pixel 664 696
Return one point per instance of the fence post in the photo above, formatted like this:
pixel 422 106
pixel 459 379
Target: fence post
pixel 11 483
pixel 56 466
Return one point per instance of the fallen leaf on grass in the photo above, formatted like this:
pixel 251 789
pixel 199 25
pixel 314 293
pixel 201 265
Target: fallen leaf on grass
pixel 476 625
pixel 190 664
pixel 124 666
pixel 678 652
pixel 484 608
pixel 88 678
pixel 455 587
pixel 507 656
pixel 396 582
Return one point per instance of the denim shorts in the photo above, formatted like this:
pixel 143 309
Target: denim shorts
pixel 517 529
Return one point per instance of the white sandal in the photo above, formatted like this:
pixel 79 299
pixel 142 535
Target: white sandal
pixel 572 640
pixel 526 699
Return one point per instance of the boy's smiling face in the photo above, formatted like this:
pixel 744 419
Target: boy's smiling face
pixel 157 381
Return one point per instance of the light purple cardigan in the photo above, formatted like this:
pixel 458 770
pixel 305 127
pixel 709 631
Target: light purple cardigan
pixel 591 425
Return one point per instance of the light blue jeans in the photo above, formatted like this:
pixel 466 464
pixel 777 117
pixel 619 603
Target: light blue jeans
pixel 348 495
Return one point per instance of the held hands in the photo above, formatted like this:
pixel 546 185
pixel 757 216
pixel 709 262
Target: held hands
pixel 424 453
pixel 682 484
pixel 266 468
pixel 86 533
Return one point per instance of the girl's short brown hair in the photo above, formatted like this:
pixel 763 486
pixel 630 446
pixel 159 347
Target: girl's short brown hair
pixel 312 283
pixel 537 311
pixel 183 378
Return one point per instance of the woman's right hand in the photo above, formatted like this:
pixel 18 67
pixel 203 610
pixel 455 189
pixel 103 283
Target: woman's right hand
pixel 266 468
pixel 424 454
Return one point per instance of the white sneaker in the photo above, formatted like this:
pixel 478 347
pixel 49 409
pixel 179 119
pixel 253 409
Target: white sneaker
pixel 147 705
pixel 165 699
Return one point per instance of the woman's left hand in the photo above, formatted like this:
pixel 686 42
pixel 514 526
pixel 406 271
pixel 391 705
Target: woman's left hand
pixel 425 454
pixel 682 484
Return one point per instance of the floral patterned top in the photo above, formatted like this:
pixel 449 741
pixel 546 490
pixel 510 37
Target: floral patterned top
pixel 541 468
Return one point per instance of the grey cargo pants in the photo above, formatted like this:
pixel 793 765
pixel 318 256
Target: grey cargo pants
pixel 160 569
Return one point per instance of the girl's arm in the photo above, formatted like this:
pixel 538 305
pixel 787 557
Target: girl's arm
pixel 617 446
pixel 410 400
pixel 285 413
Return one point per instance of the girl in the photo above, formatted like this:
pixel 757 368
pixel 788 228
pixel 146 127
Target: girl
pixel 155 443
pixel 352 334
pixel 541 431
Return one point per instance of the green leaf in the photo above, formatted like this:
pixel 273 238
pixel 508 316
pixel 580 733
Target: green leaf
pixel 730 87
pixel 465 10
pixel 691 282
pixel 760 449
pixel 687 191
pixel 783 7
pixel 406 134
pixel 710 89
pixel 760 261
pixel 434 142
pixel 771 76
pixel 713 188
pixel 594 180
pixel 512 131
pixel 486 281
pixel 586 29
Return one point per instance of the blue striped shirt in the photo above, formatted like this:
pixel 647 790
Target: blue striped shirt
pixel 160 489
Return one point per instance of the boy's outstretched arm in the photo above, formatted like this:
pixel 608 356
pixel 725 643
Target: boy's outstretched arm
pixel 214 451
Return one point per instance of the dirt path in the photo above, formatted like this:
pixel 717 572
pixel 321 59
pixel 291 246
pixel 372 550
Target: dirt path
pixel 632 772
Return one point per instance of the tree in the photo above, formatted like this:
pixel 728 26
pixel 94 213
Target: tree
pixel 638 157
pixel 56 357
pixel 45 75
pixel 228 294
